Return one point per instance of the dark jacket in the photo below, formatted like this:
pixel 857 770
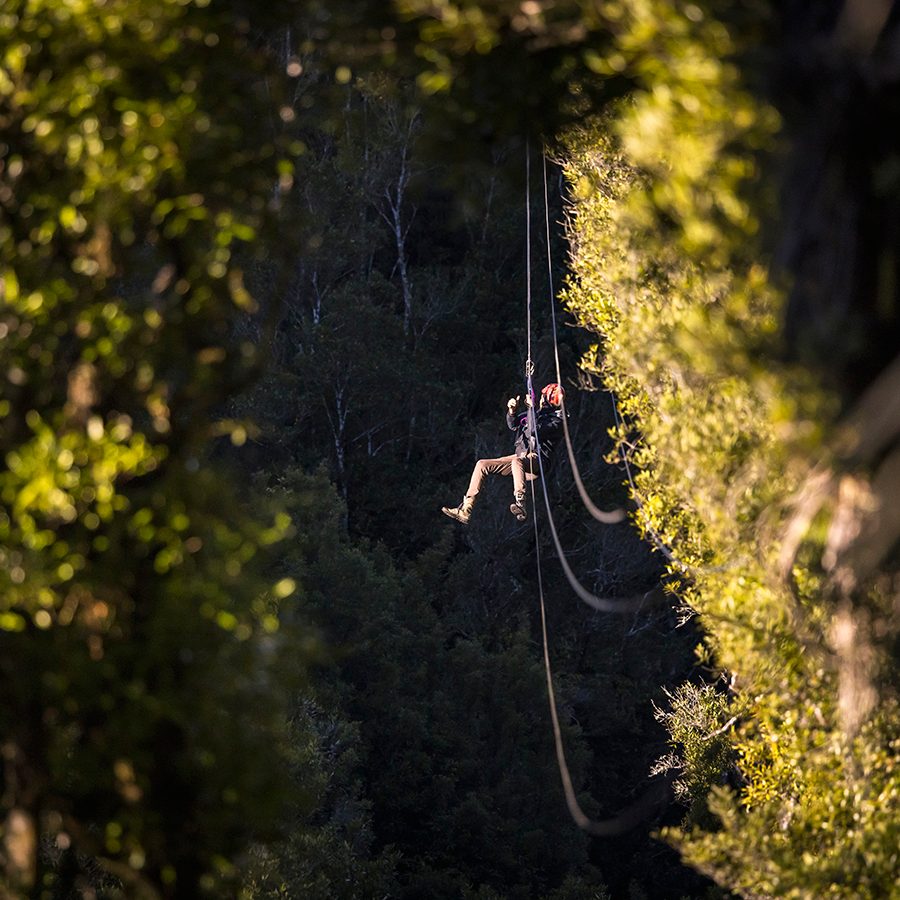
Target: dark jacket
pixel 549 428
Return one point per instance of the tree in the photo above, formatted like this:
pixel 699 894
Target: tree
pixel 744 468
pixel 418 662
pixel 763 468
pixel 440 771
pixel 140 651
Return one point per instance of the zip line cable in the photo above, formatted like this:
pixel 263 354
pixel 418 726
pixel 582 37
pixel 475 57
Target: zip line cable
pixel 659 792
pixel 613 516
pixel 637 811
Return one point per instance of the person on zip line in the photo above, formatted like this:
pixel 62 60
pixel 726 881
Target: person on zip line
pixel 523 465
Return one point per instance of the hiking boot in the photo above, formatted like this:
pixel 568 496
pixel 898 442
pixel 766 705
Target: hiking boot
pixel 461 513
pixel 517 508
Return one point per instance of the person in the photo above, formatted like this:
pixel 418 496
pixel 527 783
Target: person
pixel 523 464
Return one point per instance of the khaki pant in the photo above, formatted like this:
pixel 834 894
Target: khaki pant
pixel 522 470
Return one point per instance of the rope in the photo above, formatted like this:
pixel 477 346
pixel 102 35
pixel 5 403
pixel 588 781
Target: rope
pixel 635 813
pixel 602 604
pixel 612 516
pixel 638 811
pixel 659 792
pixel 529 365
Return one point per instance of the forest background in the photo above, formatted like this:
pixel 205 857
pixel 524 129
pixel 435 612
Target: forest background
pixel 263 301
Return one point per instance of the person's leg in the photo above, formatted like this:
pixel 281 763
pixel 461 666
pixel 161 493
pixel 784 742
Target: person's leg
pixel 522 471
pixel 518 475
pixel 483 468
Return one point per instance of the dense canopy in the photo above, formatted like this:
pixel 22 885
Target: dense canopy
pixel 262 303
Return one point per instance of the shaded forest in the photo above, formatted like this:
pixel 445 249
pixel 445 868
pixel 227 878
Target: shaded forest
pixel 265 293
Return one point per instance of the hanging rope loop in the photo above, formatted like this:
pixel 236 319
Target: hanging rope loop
pixel 640 810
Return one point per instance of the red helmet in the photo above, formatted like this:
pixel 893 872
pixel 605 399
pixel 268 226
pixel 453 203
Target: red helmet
pixel 553 394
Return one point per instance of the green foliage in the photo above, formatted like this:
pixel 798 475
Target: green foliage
pixel 153 622
pixel 141 655
pixel 695 718
pixel 328 852
pixel 491 68
pixel 446 783
pixel 376 356
pixel 441 775
pixel 670 271
pixel 839 818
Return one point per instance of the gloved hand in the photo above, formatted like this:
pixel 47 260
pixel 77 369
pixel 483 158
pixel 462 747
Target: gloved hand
pixel 512 403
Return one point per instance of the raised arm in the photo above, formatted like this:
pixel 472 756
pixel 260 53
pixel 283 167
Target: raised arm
pixel 511 420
